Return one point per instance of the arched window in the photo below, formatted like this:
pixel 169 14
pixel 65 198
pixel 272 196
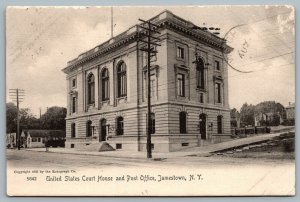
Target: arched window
pixel 200 73
pixel 105 84
pixel 73 130
pixel 120 126
pixel 220 124
pixel 182 122
pixel 121 80
pixel 89 129
pixel 91 89
pixel 152 126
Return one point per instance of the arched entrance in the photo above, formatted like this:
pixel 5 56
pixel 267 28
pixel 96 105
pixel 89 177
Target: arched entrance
pixel 202 126
pixel 103 130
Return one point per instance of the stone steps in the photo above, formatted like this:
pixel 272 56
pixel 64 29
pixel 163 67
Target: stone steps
pixel 99 147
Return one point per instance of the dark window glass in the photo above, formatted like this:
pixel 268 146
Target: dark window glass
pixel 218 92
pixel 73 82
pixel 201 98
pixel 91 89
pixel 74 104
pixel 181 85
pixel 182 122
pixel 121 80
pixel 180 52
pixel 217 65
pixel 89 129
pixel 103 128
pixel 73 130
pixel 120 126
pixel 200 73
pixel 105 85
pixel 219 120
pixel 152 127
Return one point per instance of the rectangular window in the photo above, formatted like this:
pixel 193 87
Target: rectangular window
pixel 180 52
pixel 218 92
pixel 182 122
pixel 219 120
pixel 201 98
pixel 105 90
pixel 73 104
pixel 153 88
pixel 181 85
pixel 217 65
pixel 152 85
pixel 73 83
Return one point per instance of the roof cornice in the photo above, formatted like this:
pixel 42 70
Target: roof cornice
pixel 165 20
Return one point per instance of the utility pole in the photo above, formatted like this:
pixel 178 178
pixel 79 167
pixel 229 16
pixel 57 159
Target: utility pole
pixel 17 95
pixel 149 50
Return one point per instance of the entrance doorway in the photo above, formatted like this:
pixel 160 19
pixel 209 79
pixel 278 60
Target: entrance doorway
pixel 202 126
pixel 103 131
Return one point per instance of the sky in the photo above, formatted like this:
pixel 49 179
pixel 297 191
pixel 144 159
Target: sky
pixel 41 40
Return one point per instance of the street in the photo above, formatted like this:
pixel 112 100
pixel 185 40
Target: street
pixel 40 159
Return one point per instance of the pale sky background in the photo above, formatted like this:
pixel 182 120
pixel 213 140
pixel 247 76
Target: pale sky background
pixel 40 42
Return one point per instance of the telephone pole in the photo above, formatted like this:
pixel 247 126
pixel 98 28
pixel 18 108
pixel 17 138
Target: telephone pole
pixel 17 95
pixel 151 28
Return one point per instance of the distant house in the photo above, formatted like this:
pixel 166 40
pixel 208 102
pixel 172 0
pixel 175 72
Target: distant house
pixel 260 118
pixel 290 111
pixel 38 138
pixel 264 119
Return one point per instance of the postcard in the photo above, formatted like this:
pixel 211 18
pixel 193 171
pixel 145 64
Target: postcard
pixel 150 101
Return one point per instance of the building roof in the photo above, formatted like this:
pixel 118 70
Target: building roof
pixel 45 133
pixel 291 105
pixel 166 19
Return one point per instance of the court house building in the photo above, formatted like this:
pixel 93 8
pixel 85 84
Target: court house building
pixel 107 90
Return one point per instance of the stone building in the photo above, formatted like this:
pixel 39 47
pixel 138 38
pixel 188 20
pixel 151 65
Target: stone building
pixel 290 111
pixel 107 98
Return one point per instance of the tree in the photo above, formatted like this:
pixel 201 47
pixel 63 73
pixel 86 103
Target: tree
pixel 274 110
pixel 27 120
pixel 233 117
pixel 11 118
pixel 247 114
pixel 54 118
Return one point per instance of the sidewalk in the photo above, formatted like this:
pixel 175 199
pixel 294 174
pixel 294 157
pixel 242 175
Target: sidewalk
pixel 195 151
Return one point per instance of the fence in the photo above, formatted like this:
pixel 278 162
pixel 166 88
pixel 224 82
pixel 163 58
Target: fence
pixel 244 132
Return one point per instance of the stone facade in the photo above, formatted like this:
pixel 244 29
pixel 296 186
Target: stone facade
pixel 290 111
pixel 107 97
